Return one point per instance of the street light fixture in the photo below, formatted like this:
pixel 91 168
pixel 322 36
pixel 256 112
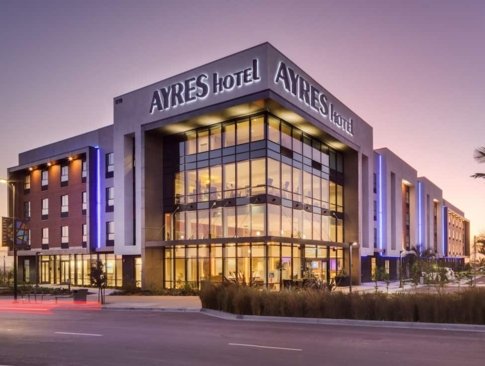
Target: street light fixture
pixel 14 229
pixel 351 246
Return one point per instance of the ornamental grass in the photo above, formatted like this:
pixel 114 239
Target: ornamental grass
pixel 466 306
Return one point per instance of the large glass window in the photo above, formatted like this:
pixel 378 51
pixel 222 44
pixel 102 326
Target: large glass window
pixel 274 266
pixel 243 178
pixel 273 177
pixel 216 222
pixel 179 187
pixel 191 224
pixel 286 221
pixel 243 221
pixel 286 135
pixel 274 223
pixel 307 188
pixel 203 184
pixel 215 137
pixel 203 224
pixel 258 176
pixel 243 132
pixel 191 143
pixel 216 182
pixel 202 141
pixel 257 128
pixel 286 175
pixel 297 184
pixel 229 214
pixel 274 129
pixel 297 224
pixel 230 262
pixel 229 136
pixel 258 219
pixel 191 185
pixel 229 180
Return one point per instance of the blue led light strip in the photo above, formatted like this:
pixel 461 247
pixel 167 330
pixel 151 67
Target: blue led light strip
pixel 444 231
pixel 420 213
pixel 98 196
pixel 381 224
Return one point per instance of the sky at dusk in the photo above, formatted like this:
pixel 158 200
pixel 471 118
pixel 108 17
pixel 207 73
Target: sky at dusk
pixel 414 70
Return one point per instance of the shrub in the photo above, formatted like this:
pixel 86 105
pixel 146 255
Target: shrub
pixel 465 307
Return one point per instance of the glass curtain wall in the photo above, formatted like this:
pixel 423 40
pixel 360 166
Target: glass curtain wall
pixel 253 180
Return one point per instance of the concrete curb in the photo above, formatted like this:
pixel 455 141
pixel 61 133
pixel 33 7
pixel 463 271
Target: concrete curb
pixel 348 322
pixel 151 309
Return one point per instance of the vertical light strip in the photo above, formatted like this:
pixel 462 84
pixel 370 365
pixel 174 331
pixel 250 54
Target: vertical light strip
pixel 420 214
pixel 444 229
pixel 98 196
pixel 381 195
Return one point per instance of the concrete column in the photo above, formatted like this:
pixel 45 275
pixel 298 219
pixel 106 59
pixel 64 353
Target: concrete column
pixel 152 269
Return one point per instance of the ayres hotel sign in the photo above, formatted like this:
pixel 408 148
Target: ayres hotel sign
pixel 201 86
pixel 311 96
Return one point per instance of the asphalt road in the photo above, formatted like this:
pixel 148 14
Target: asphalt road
pixel 104 337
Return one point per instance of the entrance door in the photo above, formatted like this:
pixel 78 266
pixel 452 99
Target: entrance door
pixel 44 272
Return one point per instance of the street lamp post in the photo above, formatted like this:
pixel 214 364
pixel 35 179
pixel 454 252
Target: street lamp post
pixel 14 229
pixel 351 245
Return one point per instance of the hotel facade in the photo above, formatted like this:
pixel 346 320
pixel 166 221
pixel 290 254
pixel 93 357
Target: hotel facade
pixel 244 169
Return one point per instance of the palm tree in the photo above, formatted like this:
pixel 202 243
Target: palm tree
pixel 479 156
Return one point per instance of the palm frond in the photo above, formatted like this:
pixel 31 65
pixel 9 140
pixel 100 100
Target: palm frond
pixel 479 154
pixel 478 175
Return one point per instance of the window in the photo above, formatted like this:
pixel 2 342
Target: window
pixel 243 132
pixel 274 129
pixel 27 209
pixel 110 165
pixel 110 231
pixel 27 182
pixel 45 207
pixel 257 128
pixel 84 200
pixel 203 141
pixel 64 234
pixel 45 235
pixel 44 178
pixel 64 174
pixel 64 204
pixel 229 136
pixel 84 169
pixel 215 138
pixel 110 198
pixel 85 233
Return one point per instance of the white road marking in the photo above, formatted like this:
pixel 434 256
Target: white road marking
pixel 265 347
pixel 80 334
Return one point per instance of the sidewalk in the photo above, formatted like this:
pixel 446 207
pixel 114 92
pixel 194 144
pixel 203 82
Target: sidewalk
pixel 157 303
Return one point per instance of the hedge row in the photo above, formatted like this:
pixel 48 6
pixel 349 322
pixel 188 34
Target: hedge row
pixel 467 306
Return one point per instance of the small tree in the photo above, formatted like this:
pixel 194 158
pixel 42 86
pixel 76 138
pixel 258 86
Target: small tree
pixel 98 279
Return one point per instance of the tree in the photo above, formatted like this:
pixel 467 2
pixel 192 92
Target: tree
pixel 479 156
pixel 98 279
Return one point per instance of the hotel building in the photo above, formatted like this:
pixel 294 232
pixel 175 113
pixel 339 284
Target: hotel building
pixel 243 169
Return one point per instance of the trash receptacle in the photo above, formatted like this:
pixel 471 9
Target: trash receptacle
pixel 80 295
